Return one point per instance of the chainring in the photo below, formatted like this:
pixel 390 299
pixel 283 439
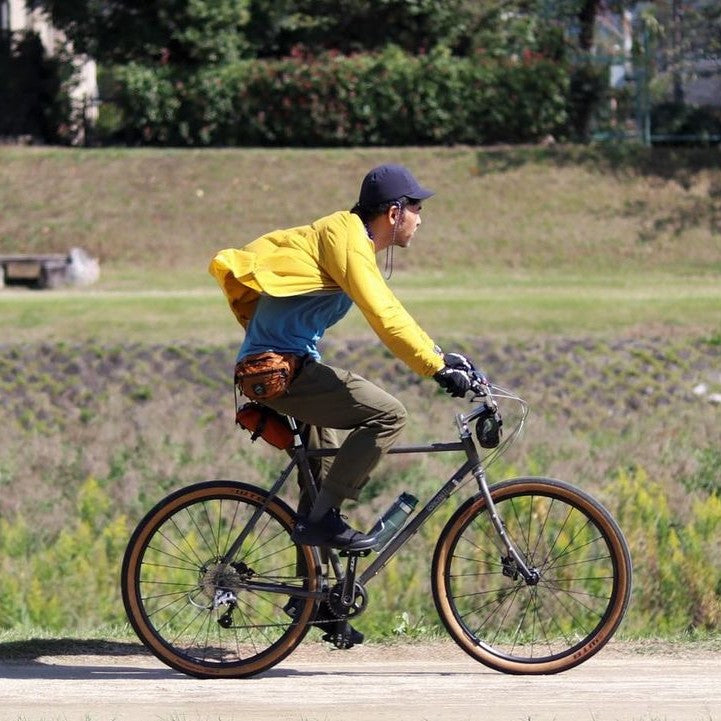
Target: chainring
pixel 357 606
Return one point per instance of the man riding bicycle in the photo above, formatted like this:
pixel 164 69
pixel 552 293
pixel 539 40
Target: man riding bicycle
pixel 251 580
pixel 286 288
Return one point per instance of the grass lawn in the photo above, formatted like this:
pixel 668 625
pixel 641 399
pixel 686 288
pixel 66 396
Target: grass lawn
pixel 516 240
pixel 499 304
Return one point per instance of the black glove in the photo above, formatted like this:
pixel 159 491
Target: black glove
pixel 457 360
pixel 458 375
pixel 456 381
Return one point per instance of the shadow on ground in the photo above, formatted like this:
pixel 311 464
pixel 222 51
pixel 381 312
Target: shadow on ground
pixel 31 649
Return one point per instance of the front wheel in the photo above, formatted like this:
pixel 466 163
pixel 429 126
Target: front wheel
pixel 207 614
pixel 583 585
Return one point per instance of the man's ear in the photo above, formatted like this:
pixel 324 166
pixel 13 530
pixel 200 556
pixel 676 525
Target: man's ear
pixel 393 213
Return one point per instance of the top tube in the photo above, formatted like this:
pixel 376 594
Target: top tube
pixel 487 394
pixel 397 450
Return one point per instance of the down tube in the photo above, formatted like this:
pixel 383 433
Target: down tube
pixel 415 523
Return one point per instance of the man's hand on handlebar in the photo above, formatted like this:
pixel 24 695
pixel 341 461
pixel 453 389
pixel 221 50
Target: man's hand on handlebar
pixel 459 375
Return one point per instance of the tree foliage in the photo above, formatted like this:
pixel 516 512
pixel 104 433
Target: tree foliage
pixel 185 36
pixel 348 26
pixel 33 90
pixel 389 98
pixel 182 32
pixel 217 31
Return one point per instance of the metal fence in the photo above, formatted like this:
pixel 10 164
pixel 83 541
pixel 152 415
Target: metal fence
pixel 659 92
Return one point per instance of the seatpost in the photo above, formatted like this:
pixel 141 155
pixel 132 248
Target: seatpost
pixel 302 458
pixel 297 441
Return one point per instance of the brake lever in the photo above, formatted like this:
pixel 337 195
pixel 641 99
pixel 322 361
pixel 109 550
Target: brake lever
pixel 482 389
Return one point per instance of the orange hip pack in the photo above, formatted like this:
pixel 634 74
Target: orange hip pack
pixel 263 376
pixel 265 423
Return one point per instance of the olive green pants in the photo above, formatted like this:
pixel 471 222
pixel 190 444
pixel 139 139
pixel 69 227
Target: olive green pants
pixel 327 399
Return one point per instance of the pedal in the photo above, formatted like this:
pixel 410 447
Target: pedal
pixel 345 553
pixel 343 637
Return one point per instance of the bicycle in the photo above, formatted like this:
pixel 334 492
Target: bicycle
pixel 529 576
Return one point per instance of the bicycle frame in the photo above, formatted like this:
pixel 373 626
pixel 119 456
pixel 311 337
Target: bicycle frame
pixel 473 465
pixel 425 512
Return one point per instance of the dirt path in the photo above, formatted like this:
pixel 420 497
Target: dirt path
pixel 374 683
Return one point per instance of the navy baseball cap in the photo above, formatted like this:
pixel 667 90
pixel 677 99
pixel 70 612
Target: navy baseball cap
pixel 390 182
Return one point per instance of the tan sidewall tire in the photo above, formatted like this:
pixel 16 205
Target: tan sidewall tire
pixel 149 524
pixel 504 490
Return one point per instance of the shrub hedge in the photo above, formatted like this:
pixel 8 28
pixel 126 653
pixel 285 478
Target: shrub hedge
pixel 390 98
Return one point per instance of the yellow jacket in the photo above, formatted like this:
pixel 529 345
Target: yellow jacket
pixel 331 254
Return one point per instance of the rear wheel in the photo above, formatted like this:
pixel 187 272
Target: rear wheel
pixel 584 584
pixel 206 615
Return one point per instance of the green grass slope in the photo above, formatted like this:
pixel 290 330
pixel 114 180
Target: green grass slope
pixel 528 209
pixel 585 279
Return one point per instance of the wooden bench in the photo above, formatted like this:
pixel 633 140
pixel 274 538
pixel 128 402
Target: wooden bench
pixel 48 270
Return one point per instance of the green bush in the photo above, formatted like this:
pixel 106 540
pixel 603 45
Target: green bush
pixel 389 98
pixel 148 98
pixel 70 580
pixel 677 573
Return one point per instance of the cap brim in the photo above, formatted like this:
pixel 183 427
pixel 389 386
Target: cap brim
pixel 421 193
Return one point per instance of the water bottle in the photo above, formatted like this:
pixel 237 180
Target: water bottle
pixel 392 520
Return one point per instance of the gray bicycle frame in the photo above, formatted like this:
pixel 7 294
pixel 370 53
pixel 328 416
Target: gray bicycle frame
pixel 473 465
pixel 389 550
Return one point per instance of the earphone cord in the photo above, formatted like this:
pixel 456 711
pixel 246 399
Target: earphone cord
pixel 389 250
pixel 389 262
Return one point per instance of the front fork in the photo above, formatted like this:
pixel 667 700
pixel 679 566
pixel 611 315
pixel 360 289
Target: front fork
pixel 513 563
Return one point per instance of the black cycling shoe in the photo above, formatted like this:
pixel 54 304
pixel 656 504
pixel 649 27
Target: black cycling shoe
pixel 330 531
pixel 337 631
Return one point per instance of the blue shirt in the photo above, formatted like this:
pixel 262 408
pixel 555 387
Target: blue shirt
pixel 294 324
